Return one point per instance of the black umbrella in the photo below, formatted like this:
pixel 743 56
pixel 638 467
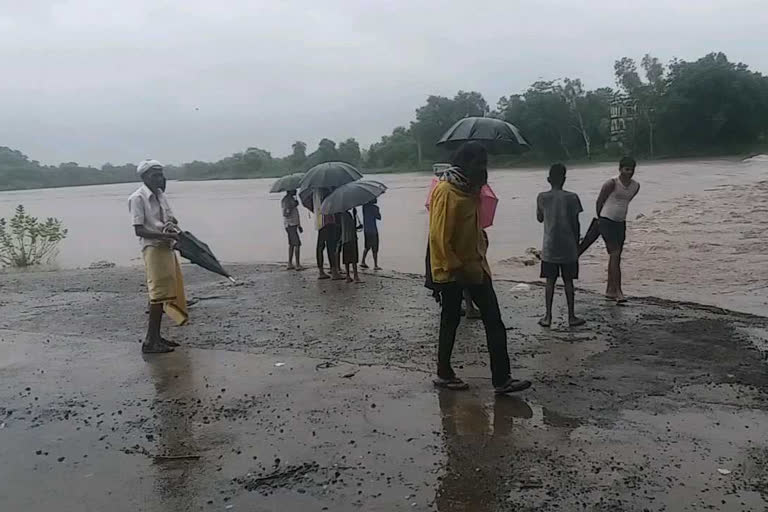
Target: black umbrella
pixel 200 254
pixel 593 233
pixel 329 175
pixel 352 195
pixel 286 183
pixel 308 200
pixel 498 137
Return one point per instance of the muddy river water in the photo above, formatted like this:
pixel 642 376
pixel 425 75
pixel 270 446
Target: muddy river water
pixel 696 229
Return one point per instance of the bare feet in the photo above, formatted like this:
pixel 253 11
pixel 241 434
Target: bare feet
pixel 358 280
pixel 576 321
pixel 364 265
pixel 349 279
pixel 322 275
pixel 620 298
pixel 290 267
pixel 337 277
pixel 545 321
pixel 299 268
pixel 377 267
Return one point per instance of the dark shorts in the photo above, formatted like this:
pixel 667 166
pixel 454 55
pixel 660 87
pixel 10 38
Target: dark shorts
pixel 349 253
pixel 328 238
pixel 614 234
pixel 293 236
pixel 372 242
pixel 555 270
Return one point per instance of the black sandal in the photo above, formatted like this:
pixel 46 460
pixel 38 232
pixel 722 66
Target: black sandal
pixel 170 343
pixel 157 348
pixel 454 384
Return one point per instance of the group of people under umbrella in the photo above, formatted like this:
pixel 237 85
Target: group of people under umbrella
pixel 461 206
pixel 332 191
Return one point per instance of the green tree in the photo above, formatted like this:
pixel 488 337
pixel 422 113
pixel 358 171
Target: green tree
pixel 394 150
pixel 299 155
pixel 25 241
pixel 647 97
pixel 713 103
pixel 326 152
pixel 544 117
pixel 627 77
pixel 349 151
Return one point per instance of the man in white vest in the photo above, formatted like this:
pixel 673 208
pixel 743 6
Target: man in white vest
pixel 612 207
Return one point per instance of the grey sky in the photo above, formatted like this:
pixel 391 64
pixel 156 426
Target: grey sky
pixel 120 80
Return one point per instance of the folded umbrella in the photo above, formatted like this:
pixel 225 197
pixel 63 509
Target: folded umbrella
pixel 351 195
pixel 593 233
pixel 329 175
pixel 200 254
pixel 498 137
pixel 286 183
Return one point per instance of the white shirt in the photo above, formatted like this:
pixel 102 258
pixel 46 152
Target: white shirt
pixel 151 211
pixel 617 204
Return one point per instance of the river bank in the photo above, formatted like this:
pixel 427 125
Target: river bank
pixel 694 230
pixel 294 394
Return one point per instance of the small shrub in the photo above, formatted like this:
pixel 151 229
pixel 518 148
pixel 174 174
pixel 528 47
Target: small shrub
pixel 25 241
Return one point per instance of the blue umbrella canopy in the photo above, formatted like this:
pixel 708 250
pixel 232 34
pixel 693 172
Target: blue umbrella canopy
pixel 352 195
pixel 498 137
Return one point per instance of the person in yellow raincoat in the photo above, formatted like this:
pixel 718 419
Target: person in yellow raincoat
pixel 457 255
pixel 152 219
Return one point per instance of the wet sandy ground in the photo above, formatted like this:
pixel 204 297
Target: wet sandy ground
pixel 293 394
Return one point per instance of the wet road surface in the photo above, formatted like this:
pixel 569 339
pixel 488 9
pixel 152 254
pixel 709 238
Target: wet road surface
pixel 293 394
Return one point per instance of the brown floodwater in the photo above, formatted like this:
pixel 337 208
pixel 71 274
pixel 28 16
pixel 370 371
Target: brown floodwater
pixel 700 235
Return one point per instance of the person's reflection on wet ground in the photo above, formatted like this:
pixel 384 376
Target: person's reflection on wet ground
pixel 173 378
pixel 473 444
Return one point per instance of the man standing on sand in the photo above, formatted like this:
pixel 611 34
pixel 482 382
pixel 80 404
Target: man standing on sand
pixel 457 258
pixel 612 207
pixel 371 215
pixel 559 211
pixel 292 222
pixel 328 236
pixel 348 245
pixel 153 221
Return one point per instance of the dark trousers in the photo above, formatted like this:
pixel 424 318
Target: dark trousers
pixel 484 296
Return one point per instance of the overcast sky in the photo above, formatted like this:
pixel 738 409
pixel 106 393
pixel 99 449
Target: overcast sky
pixel 97 81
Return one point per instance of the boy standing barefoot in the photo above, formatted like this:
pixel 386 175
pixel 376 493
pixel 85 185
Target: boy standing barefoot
pixel 559 211
pixel 292 222
pixel 612 207
pixel 349 249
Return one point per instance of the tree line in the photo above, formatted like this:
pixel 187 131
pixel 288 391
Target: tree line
pixel 705 107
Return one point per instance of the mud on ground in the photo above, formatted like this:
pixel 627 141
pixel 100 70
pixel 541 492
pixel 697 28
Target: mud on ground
pixel 294 394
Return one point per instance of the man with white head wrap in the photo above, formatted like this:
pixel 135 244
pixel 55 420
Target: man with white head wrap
pixel 153 223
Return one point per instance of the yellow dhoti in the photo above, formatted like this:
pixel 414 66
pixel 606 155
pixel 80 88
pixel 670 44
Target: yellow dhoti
pixel 165 282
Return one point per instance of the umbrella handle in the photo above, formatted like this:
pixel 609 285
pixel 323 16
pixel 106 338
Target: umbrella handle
pixel 171 228
pixel 232 279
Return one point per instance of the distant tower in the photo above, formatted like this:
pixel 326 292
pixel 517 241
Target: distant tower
pixel 623 114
